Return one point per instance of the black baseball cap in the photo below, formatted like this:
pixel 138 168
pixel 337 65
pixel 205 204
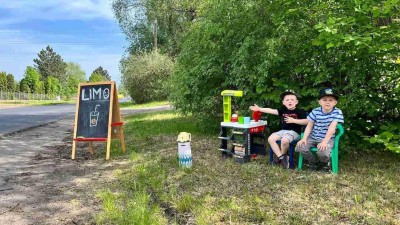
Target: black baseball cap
pixel 289 92
pixel 328 92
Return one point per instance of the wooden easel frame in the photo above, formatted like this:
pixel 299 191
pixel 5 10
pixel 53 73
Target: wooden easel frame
pixel 114 122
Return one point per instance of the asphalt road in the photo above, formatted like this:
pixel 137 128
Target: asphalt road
pixel 16 119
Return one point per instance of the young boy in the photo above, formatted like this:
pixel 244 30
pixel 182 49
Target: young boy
pixel 321 128
pixel 291 120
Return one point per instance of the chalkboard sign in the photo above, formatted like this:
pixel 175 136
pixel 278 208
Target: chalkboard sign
pixel 94 111
pixel 97 116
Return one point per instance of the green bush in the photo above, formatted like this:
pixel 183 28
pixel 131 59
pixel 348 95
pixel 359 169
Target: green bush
pixel 265 47
pixel 389 136
pixel 145 76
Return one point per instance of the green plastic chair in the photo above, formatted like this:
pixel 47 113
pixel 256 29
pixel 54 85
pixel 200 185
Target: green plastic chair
pixel 335 152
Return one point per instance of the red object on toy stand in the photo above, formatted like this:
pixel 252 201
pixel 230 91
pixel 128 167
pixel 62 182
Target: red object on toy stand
pixel 257 129
pixel 256 116
pixel 234 118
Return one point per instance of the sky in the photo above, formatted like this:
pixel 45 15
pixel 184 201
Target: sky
pixel 80 31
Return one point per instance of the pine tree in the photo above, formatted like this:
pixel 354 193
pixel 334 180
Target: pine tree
pixel 49 63
pixel 102 72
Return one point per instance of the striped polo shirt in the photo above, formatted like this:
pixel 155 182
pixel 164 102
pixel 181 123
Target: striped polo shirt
pixel 322 121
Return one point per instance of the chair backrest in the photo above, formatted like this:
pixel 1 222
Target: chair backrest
pixel 341 131
pixel 340 128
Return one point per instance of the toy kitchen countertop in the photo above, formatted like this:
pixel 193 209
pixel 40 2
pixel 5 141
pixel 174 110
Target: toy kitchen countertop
pixel 252 124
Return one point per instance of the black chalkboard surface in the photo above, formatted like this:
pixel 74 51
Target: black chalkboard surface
pixel 97 116
pixel 93 111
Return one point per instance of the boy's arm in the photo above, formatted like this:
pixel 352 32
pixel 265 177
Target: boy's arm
pixel 296 121
pixel 331 131
pixel 308 129
pixel 324 143
pixel 264 110
pixel 307 133
pixel 301 118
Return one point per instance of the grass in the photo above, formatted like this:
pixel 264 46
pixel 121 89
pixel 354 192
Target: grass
pixel 34 102
pixel 155 190
pixel 131 105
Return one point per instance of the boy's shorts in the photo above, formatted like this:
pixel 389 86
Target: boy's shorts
pixel 288 134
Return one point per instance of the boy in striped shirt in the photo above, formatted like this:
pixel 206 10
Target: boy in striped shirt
pixel 321 128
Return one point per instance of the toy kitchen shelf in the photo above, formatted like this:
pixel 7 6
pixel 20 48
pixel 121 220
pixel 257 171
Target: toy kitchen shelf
pixel 242 140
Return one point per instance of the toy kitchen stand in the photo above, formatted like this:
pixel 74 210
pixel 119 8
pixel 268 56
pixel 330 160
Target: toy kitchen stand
pixel 242 140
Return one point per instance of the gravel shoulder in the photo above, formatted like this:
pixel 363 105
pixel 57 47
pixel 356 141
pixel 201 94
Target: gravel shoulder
pixel 40 184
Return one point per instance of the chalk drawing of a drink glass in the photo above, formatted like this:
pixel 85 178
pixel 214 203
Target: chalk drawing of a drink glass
pixel 94 116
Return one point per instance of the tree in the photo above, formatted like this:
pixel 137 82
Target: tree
pixel 145 76
pixel 10 83
pixel 32 80
pixel 138 19
pixel 74 70
pixel 16 85
pixel 95 77
pixel 103 72
pixel 75 75
pixel 3 81
pixel 49 63
pixel 41 88
pixel 23 86
pixel 52 86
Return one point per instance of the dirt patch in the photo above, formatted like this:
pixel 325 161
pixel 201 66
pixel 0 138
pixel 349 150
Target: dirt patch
pixel 40 184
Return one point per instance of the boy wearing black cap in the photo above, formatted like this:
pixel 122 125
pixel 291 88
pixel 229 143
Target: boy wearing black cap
pixel 320 130
pixel 291 121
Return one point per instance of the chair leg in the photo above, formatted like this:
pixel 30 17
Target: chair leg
pixel 271 155
pixel 300 165
pixel 335 161
pixel 291 156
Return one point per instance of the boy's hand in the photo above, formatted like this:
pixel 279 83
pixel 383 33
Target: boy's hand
pixel 301 142
pixel 289 119
pixel 322 146
pixel 254 107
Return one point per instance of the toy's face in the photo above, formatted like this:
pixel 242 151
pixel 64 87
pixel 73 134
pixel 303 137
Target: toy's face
pixel 290 101
pixel 327 103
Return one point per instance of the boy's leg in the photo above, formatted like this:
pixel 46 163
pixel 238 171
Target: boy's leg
pixel 305 150
pixel 287 138
pixel 325 156
pixel 272 142
pixel 285 141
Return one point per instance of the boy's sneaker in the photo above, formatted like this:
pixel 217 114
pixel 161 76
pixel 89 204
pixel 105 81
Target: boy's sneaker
pixel 276 161
pixel 314 166
pixel 325 166
pixel 285 162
